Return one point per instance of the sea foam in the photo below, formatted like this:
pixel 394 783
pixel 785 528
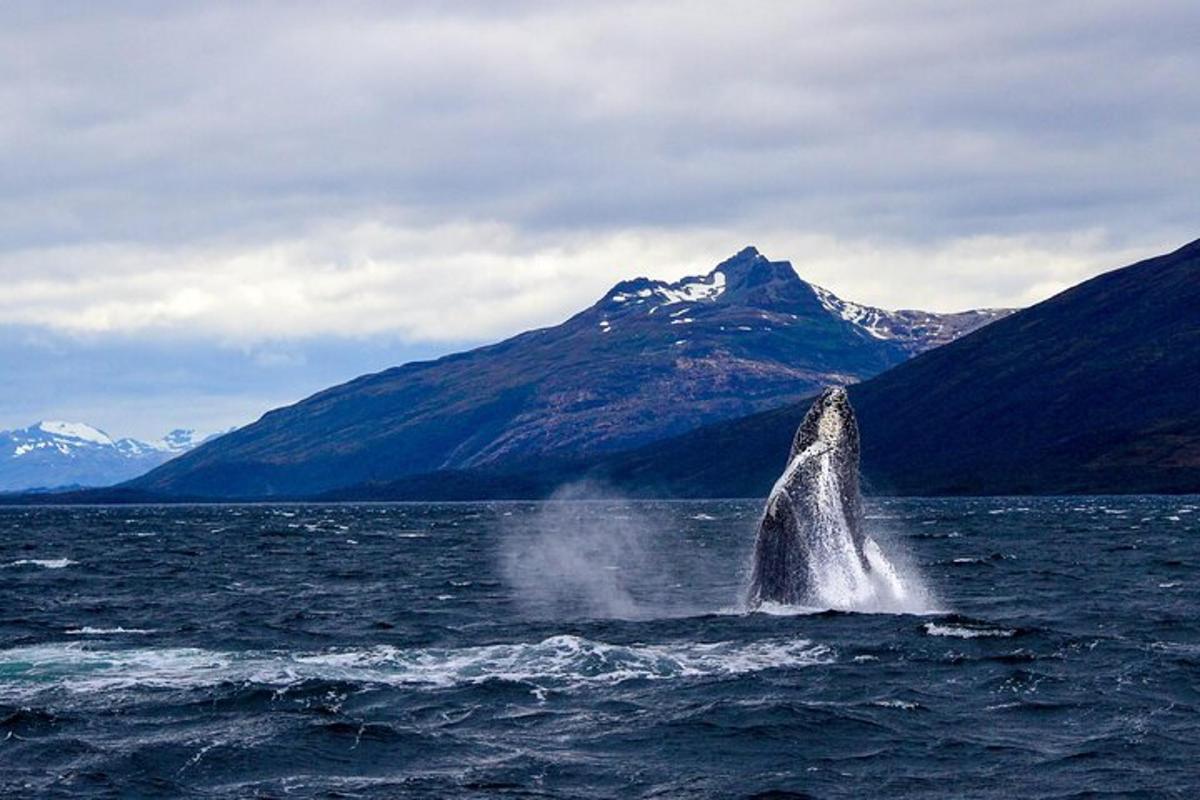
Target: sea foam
pixel 45 563
pixel 559 662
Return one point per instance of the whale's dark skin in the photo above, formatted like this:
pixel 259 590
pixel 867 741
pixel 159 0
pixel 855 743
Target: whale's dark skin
pixel 808 498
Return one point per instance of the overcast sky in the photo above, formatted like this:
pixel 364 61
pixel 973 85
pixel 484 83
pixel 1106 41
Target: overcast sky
pixel 209 209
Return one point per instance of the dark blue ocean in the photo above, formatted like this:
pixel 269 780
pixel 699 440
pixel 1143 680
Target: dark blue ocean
pixel 593 650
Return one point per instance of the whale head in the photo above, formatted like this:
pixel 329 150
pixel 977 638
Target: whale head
pixel 828 426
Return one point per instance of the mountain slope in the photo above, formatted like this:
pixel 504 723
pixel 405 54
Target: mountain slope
pixel 649 360
pixel 1096 390
pixel 53 454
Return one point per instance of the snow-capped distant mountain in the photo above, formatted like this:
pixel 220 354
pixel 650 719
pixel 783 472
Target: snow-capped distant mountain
pixel 53 454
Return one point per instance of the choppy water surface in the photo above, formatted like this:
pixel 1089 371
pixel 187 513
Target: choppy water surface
pixel 592 650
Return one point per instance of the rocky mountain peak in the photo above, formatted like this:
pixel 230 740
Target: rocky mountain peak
pixel 749 269
pixel 740 278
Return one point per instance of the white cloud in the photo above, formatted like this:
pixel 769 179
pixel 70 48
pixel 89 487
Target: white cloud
pixel 474 282
pixel 462 171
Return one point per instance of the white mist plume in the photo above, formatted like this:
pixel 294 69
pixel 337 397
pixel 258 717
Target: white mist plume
pixel 586 554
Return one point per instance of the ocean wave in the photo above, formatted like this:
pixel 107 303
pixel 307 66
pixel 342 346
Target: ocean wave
pixel 87 630
pixel 774 609
pixel 960 630
pixel 987 560
pixel 558 662
pixel 45 563
pixel 905 705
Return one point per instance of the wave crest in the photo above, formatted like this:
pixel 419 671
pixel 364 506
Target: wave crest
pixel 558 662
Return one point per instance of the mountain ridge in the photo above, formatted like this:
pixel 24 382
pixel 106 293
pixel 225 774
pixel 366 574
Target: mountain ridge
pixel 650 359
pixel 1093 391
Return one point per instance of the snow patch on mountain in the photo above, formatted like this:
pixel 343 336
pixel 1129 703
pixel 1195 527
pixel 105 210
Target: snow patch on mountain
pixel 74 430
pixel 693 290
pixel 915 330
pixel 180 440
pixel 688 290
pixel 872 320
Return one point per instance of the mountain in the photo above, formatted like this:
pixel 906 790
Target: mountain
pixel 54 454
pixel 649 360
pixel 1094 391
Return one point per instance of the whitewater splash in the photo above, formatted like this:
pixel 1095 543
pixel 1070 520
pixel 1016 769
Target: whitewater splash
pixel 812 550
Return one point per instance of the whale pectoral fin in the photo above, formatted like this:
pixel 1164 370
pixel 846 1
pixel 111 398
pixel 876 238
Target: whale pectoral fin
pixel 772 579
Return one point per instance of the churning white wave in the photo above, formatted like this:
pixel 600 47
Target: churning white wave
pixel 564 662
pixel 774 609
pixel 966 631
pixel 45 563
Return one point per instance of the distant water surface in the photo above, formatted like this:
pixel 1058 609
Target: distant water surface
pixel 593 650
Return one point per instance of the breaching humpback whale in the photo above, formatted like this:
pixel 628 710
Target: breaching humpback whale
pixel 810 541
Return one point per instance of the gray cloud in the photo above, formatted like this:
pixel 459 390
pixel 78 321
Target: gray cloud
pixel 919 120
pixel 250 172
